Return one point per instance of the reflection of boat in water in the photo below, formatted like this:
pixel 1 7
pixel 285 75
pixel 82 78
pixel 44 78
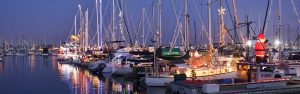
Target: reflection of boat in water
pixel 83 82
pixel 156 90
pixel 158 80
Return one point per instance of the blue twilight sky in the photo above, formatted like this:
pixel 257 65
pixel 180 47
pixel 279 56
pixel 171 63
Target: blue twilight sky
pixel 52 20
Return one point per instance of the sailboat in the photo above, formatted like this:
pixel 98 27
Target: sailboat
pixel 118 65
pixel 123 66
pixel 159 79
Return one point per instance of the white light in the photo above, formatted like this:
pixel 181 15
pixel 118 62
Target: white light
pixel 277 42
pixel 249 43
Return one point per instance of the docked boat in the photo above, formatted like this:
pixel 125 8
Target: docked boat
pixel 67 53
pixel 97 66
pixel 141 56
pixel 117 66
pixel 168 53
pixel 10 52
pixel 159 78
pixel 291 63
pixel 101 66
pixel 45 52
pixel 120 62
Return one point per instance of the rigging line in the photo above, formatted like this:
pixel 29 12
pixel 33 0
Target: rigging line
pixel 104 25
pixel 177 25
pixel 72 27
pixel 266 17
pixel 237 20
pixel 253 31
pixel 137 29
pixel 150 29
pixel 149 24
pixel 201 20
pixel 232 20
pixel 295 10
pixel 89 24
pixel 126 27
pixel 105 11
pixel 174 34
pixel 230 36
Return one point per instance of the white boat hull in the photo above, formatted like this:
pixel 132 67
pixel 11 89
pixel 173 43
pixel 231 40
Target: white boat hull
pixel 158 81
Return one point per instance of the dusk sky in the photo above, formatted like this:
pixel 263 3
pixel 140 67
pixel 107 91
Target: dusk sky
pixel 53 19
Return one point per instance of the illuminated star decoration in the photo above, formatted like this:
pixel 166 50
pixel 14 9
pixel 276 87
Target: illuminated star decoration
pixel 221 11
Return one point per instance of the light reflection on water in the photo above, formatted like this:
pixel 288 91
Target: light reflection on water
pixel 83 82
pixel 44 75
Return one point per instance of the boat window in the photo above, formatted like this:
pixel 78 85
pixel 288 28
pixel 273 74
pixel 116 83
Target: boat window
pixel 266 69
pixel 292 68
pixel 294 56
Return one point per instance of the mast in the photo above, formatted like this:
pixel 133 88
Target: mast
pixel 209 23
pixel 143 21
pixel 101 24
pixel 97 21
pixel 280 22
pixel 202 26
pixel 222 29
pixel 81 22
pixel 195 32
pixel 159 14
pixel 113 24
pixel 75 23
pixel 186 32
pixel 210 46
pixel 86 30
pixel 121 22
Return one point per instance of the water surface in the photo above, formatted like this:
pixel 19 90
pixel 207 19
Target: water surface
pixel 44 75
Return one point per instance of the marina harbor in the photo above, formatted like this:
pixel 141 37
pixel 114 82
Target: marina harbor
pixel 150 47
